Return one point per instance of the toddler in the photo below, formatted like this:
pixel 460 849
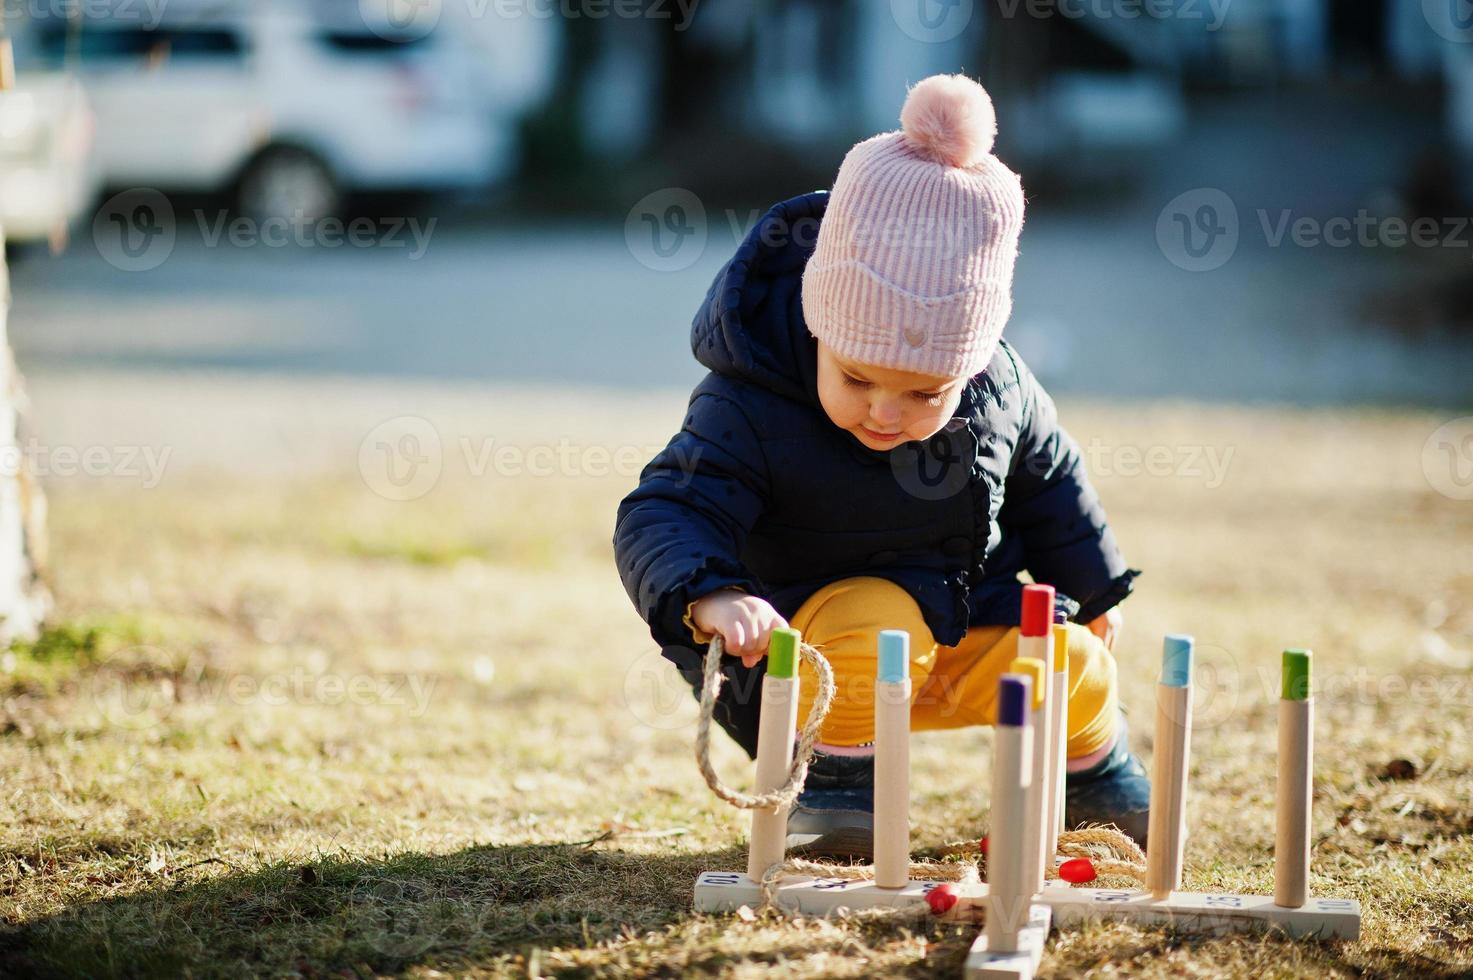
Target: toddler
pixel 867 453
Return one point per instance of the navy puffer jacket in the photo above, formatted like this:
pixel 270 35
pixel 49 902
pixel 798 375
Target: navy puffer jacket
pixel 762 491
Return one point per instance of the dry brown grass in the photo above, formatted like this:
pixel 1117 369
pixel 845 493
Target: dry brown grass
pixel 511 789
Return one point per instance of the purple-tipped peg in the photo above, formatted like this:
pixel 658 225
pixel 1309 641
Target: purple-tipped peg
pixel 1014 698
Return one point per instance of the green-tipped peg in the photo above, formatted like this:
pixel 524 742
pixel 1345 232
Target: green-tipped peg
pixel 1296 675
pixel 782 652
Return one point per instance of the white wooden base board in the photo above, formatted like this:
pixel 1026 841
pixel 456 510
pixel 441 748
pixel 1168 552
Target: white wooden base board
pixel 1198 912
pixel 727 891
pixel 983 964
pixel 1319 918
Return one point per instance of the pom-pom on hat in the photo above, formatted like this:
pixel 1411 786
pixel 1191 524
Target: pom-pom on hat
pixel 913 267
pixel 949 119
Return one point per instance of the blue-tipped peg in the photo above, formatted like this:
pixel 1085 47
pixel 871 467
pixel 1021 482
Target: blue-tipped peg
pixel 1014 698
pixel 1176 660
pixel 894 656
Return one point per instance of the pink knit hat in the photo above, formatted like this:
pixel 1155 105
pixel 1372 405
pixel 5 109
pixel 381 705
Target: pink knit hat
pixel 913 268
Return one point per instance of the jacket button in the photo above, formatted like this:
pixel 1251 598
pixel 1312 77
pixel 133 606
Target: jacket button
pixel 956 546
pixel 883 558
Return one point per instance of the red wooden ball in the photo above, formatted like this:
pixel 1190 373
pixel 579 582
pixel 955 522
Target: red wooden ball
pixel 1077 871
pixel 942 898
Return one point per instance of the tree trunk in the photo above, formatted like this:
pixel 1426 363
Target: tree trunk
pixel 25 599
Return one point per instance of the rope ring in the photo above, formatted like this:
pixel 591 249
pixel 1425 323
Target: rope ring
pixel 787 793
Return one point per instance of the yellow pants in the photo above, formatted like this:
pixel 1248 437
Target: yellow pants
pixel 953 686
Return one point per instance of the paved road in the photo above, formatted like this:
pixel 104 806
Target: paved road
pixel 1099 309
pixel 1151 297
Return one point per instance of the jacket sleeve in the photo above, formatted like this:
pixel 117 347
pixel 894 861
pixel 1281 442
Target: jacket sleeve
pixel 1049 501
pixel 679 534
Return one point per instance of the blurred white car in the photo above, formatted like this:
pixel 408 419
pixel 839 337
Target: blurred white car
pixel 46 174
pixel 287 107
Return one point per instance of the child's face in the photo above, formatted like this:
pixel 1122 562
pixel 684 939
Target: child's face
pixel 883 407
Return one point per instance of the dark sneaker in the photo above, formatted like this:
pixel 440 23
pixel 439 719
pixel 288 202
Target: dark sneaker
pixel 1116 790
pixel 835 814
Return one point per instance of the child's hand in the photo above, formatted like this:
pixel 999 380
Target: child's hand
pixel 1107 626
pixel 744 621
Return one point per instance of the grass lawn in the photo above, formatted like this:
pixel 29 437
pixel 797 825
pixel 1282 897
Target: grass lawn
pixel 285 726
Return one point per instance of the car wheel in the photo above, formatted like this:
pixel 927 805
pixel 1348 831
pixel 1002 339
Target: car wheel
pixel 288 183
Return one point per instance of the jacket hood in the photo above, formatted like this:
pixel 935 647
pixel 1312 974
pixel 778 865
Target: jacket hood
pixel 751 324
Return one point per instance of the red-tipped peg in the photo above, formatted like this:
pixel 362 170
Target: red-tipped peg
pixel 982 844
pixel 1038 610
pixel 942 898
pixel 1077 871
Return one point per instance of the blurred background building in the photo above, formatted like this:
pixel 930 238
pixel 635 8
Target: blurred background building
pixel 520 138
